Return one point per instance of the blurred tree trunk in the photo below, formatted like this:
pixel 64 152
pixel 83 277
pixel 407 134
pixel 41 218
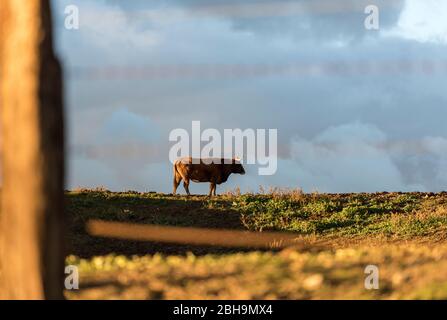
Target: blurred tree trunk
pixel 32 216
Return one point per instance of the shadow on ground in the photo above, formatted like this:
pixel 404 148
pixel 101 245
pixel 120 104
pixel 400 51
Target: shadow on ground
pixel 144 209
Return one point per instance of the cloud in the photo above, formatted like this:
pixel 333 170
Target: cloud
pixel 101 28
pixel 336 23
pixel 347 158
pixel 422 21
pixel 350 119
pixel 426 163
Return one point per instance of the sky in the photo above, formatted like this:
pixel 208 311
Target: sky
pixel 356 110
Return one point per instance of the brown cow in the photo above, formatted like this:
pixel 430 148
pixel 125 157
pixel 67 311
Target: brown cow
pixel 215 171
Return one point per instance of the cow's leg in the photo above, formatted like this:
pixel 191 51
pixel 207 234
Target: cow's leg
pixel 186 186
pixel 177 180
pixel 212 189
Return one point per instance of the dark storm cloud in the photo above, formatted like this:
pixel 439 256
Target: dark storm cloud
pixel 302 19
pixel 318 21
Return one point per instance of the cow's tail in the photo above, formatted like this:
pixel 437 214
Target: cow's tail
pixel 175 171
pixel 177 174
pixel 176 179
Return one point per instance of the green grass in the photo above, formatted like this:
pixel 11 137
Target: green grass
pixel 352 215
pixel 387 214
pixel 403 233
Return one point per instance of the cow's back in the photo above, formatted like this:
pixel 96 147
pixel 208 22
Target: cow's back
pixel 196 171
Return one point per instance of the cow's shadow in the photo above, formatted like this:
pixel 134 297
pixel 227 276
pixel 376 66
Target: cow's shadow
pixel 154 209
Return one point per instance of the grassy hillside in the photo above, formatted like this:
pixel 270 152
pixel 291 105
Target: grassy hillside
pixel 403 233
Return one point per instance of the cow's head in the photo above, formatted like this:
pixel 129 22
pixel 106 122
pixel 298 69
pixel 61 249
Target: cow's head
pixel 237 167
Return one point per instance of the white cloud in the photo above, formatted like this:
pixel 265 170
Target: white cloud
pixel 106 31
pixel 346 158
pixel 108 26
pixel 423 21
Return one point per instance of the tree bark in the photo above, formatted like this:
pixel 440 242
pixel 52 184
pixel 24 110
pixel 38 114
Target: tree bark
pixel 32 196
